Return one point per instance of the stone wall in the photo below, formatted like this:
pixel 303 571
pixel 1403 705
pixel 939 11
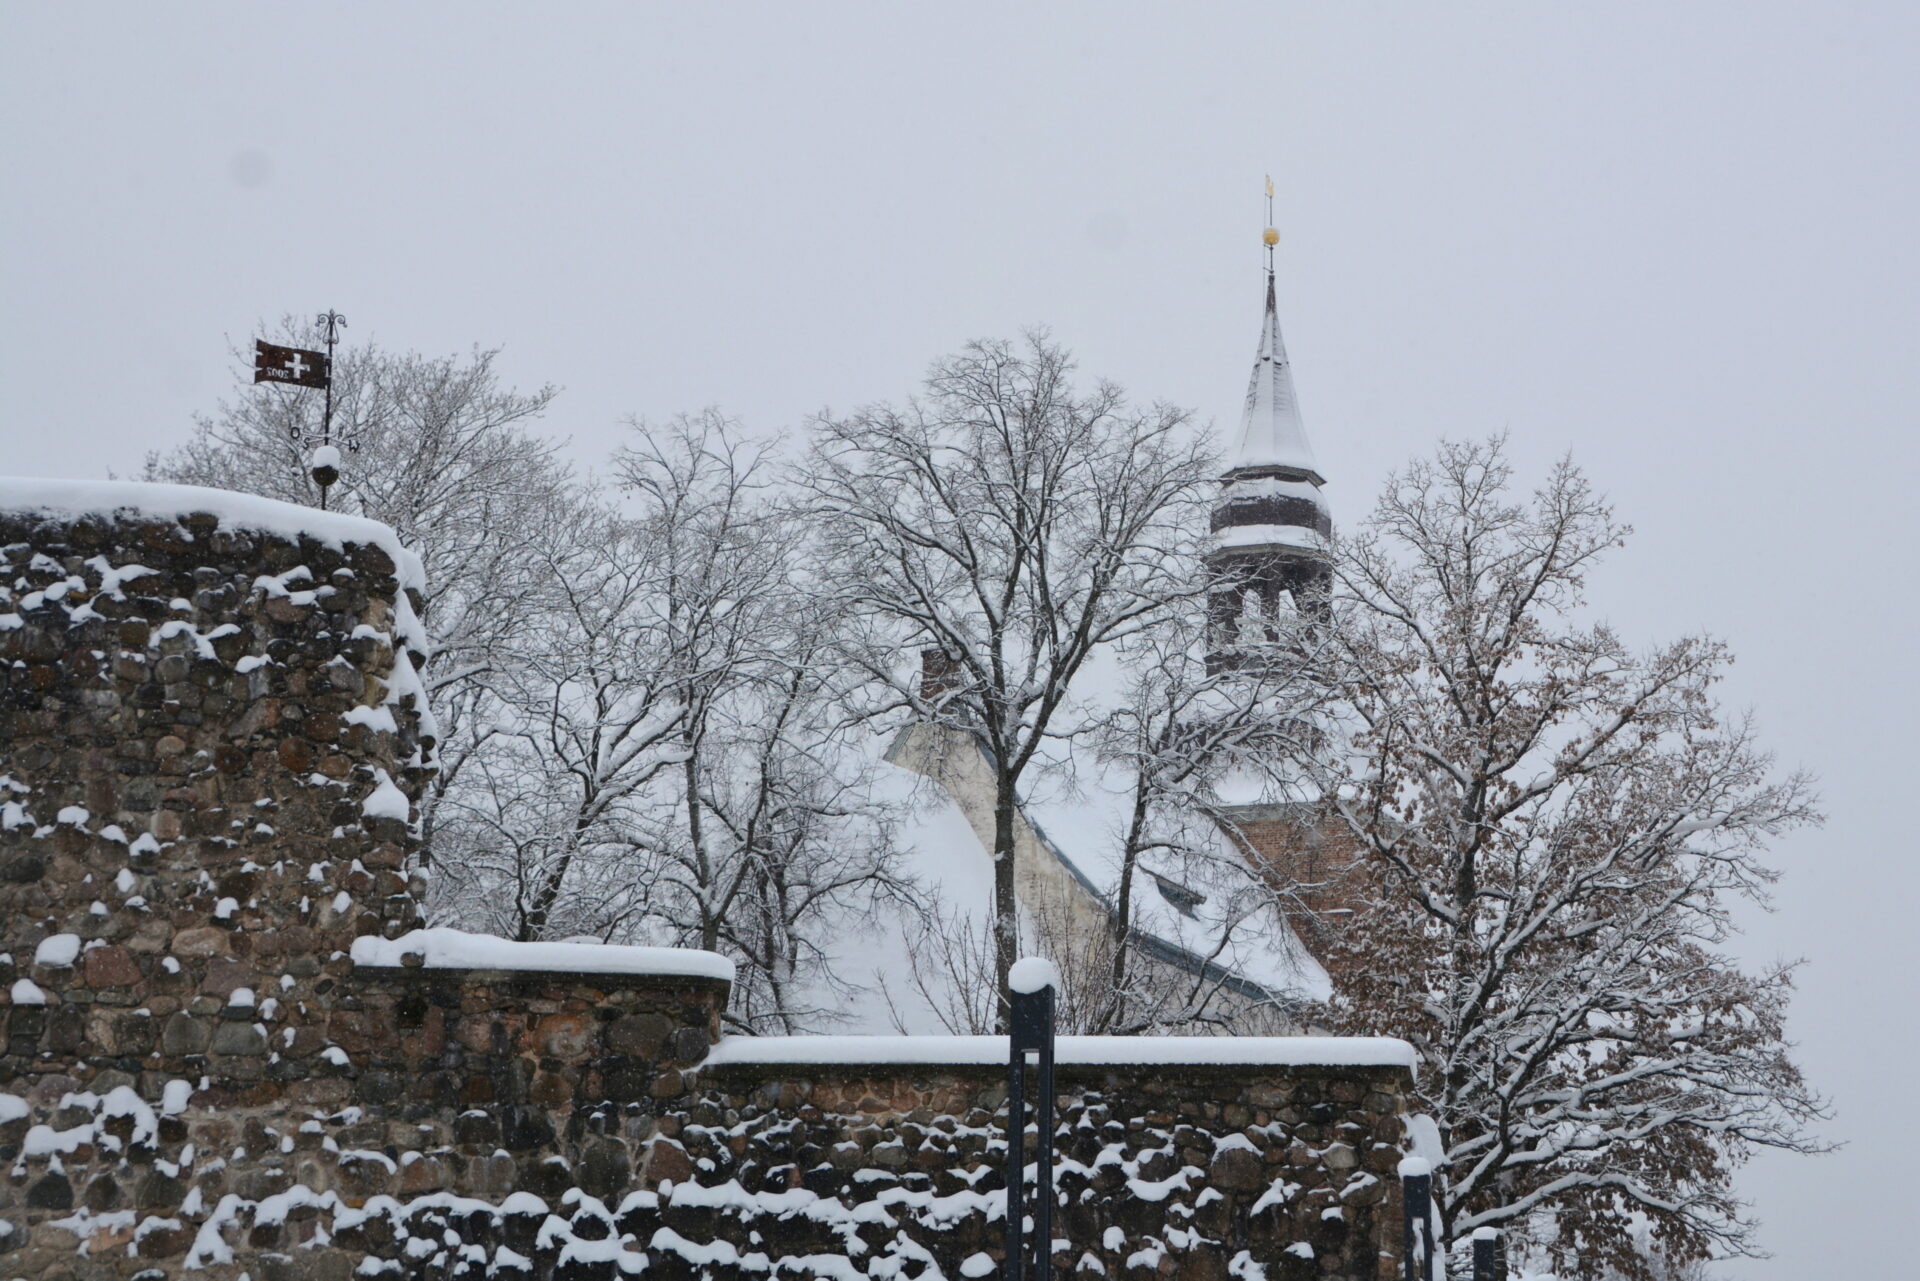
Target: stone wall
pixel 1198 1171
pixel 210 737
pixel 438 1087
pixel 209 734
pixel 840 1171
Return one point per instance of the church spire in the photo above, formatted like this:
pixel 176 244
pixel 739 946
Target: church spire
pixel 1273 437
pixel 1270 523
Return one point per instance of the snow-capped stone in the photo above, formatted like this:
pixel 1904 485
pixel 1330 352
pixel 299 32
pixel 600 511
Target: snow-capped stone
pixel 233 509
pixel 57 951
pixel 386 799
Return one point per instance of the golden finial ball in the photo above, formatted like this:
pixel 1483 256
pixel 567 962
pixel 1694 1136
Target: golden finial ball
pixel 1271 237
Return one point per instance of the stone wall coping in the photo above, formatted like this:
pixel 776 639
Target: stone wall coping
pixel 1097 1076
pixel 797 1053
pixel 445 949
pixel 69 499
pixel 525 982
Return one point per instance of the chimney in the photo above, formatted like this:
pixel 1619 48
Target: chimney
pixel 940 675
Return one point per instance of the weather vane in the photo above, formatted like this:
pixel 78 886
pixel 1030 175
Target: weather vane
pixel 296 367
pixel 1271 236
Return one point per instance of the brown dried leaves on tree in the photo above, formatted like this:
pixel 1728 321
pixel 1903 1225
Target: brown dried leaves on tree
pixel 1551 830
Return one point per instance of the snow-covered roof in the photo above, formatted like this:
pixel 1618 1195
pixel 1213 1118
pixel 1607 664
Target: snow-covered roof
pixel 1195 911
pixel 941 851
pixel 444 949
pixel 1145 1051
pixel 1272 433
pixel 1239 536
pixel 937 850
pixel 68 498
pixel 1271 486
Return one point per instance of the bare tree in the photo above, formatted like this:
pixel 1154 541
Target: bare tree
pixel 805 848
pixel 641 735
pixel 590 717
pixel 1553 830
pixel 1009 526
pixel 950 966
pixel 516 861
pixel 767 833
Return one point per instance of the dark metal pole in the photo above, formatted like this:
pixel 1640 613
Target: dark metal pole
pixel 1043 1157
pixel 1030 1072
pixel 332 320
pixel 1015 1268
pixel 1416 1199
pixel 1489 1260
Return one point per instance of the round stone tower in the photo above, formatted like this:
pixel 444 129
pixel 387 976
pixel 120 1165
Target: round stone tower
pixel 226 1049
pixel 212 733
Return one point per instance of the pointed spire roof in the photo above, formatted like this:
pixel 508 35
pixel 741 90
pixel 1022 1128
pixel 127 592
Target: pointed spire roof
pixel 1272 435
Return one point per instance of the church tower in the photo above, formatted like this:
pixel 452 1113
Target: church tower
pixel 1271 520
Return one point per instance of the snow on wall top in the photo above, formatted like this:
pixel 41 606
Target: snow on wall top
pixel 444 949
pixel 244 511
pixel 991 1051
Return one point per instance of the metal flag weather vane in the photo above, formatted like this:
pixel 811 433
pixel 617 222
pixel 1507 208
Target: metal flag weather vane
pixel 296 367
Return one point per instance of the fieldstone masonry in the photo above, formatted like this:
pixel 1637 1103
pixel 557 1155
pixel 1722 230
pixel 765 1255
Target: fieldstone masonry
pixel 211 732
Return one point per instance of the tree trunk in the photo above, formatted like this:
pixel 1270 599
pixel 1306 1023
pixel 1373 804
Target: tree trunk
pixel 1006 918
pixel 1123 907
pixel 709 921
pixel 533 926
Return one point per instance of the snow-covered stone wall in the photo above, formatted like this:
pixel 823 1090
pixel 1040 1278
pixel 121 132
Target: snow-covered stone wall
pixel 227 1048
pixel 210 735
pixel 1199 1166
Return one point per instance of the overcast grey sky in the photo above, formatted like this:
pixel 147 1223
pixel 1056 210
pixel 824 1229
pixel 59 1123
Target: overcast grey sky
pixel 1677 240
